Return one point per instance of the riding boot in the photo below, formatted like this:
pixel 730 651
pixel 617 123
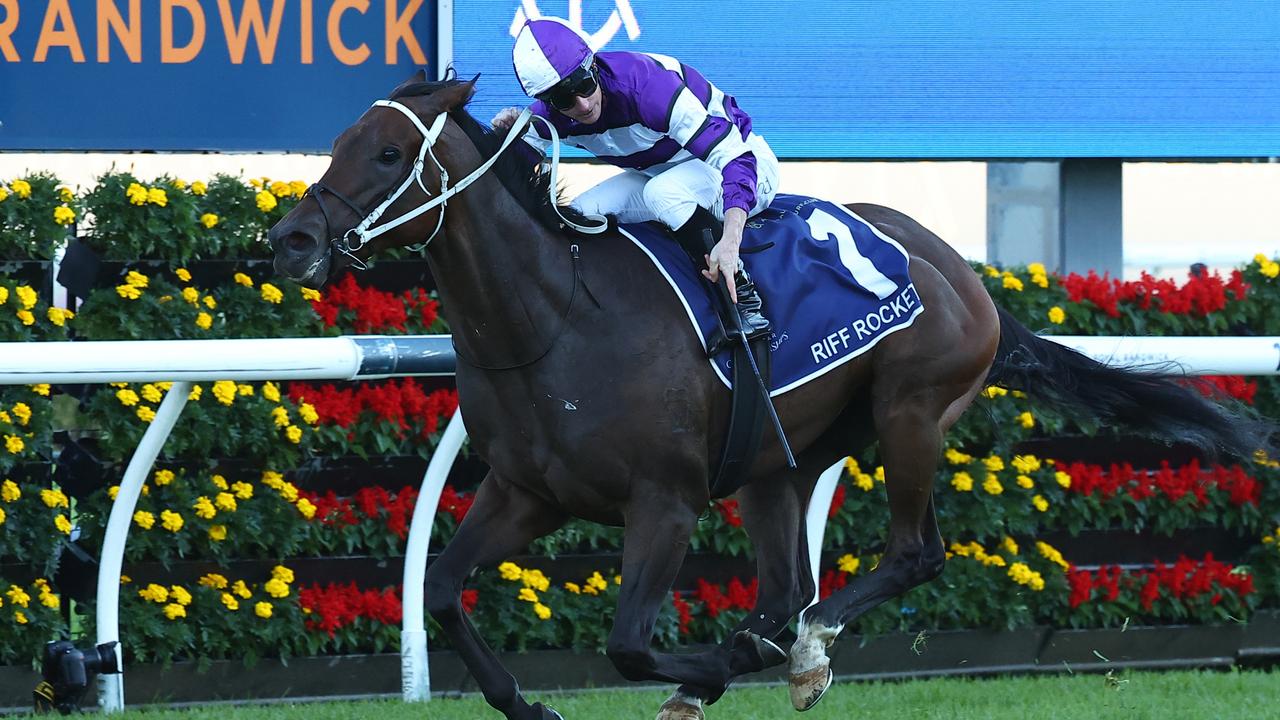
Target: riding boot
pixel 693 237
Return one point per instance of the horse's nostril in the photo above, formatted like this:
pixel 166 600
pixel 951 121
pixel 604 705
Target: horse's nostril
pixel 299 243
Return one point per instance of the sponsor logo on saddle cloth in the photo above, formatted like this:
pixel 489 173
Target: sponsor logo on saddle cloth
pixel 833 285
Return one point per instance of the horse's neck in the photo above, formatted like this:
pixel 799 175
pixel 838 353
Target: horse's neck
pixel 504 280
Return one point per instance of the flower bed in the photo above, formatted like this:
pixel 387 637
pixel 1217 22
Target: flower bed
pixel 222 491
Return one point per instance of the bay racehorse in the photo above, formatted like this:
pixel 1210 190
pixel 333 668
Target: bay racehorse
pixel 589 395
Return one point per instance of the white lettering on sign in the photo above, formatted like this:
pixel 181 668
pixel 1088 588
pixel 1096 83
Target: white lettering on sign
pixel 621 17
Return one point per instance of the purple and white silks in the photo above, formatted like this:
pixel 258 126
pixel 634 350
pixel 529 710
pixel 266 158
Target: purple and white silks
pixel 659 112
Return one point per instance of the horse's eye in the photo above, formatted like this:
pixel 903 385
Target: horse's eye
pixel 389 156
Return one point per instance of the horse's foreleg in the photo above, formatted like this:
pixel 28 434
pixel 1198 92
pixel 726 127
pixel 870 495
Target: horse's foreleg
pixel 657 536
pixel 773 515
pixel 501 523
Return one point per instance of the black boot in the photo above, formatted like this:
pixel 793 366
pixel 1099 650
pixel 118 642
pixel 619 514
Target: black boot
pixel 698 235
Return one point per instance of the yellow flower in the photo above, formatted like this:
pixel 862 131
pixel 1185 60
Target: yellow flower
pixel 21 188
pixel 199 188
pixel 1064 480
pixel 214 580
pixel 962 481
pixel 146 414
pixel 157 196
pixel 262 610
pixel 298 188
pixel 196 392
pixel 53 498
pixel 170 521
pixel 276 589
pixel 597 581
pixel 59 316
pixel 1027 420
pixel 180 595
pixel 848 564
pixel 1270 269
pixel 163 477
pixel 19 618
pixel 144 519
pixel 63 215
pixel 1036 268
pixel 128 292
pixel 41 389
pixel 244 390
pixel 65 194
pixel 271 293
pixel 271 391
pixel 137 194
pixel 173 611
pixel 113 491
pixel 26 317
pixel 1025 482
pixel 280 189
pixel 992 485
pixel 272 479
pixel 191 295
pixel 136 279
pixel 542 611
pixel 230 602
pixel 1040 280
pixel 155 593
pixel 183 274
pixel 243 490
pixel 294 434
pixel 209 220
pixel 1052 555
pixel 62 523
pixel 282 573
pixel 955 457
pixel 535 579
pixel 266 201
pixel 18 596
pixel 204 321
pixel 218 533
pixel 50 600
pixel 14 444
pixel 310 295
pixel 993 463
pixel 204 508
pixel 225 391
pixel 1026 463
pixel 573 588
pixel 209 302
pixel 306 508
pixel 239 588
pixel 151 393
pixel 225 501
pixel 994 391
pixel 180 184
pixel 1040 503
pixel 9 491
pixel 990 271
pixel 1010 546
pixel 308 413
pixel 280 416
pixel 4 294
pixel 4 193
pixel 864 482
pixel 2 516
pixel 509 571
pixel 1012 283
pixel 242 279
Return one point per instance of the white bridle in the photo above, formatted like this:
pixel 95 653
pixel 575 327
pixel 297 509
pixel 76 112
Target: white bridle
pixel 360 235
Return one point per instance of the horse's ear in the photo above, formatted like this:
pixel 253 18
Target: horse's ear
pixel 457 95
pixel 418 77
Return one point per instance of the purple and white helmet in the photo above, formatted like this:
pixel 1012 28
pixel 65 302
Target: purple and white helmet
pixel 547 51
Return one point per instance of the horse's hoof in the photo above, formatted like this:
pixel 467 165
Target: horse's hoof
pixel 762 651
pixel 546 713
pixel 808 687
pixel 681 707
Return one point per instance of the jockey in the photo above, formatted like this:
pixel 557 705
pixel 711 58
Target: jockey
pixel 689 157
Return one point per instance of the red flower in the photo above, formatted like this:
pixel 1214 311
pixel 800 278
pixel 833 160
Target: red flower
pixel 837 501
pixel 469 600
pixel 684 611
pixel 729 510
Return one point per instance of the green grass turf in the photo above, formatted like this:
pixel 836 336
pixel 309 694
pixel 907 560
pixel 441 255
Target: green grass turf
pixel 1128 696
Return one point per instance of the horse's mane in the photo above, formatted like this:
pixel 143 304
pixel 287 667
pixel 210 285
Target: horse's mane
pixel 519 169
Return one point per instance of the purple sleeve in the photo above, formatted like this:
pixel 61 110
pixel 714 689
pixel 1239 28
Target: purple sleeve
pixel 739 186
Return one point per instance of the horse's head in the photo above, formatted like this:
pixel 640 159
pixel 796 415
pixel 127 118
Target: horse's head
pixel 382 169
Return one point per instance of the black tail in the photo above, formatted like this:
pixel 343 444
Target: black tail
pixel 1159 404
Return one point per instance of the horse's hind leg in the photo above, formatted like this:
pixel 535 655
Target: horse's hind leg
pixel 501 522
pixel 917 394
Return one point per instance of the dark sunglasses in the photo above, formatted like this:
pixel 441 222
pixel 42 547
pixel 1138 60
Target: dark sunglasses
pixel 564 95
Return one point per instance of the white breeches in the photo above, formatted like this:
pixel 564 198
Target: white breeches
pixel 673 192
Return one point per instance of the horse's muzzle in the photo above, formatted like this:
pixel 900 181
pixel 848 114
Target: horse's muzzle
pixel 300 257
